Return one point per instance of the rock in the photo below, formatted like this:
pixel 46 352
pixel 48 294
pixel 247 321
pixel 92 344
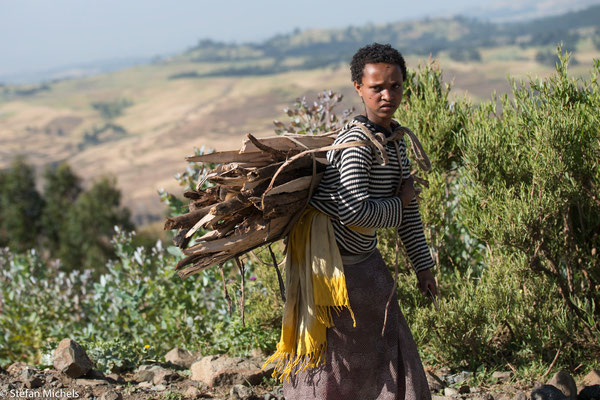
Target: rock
pixel 33 383
pixel 547 392
pixel 434 397
pixel 90 382
pixel 7 387
pixel 180 357
pixel 589 393
pixel 143 375
pixel 278 392
pixel 458 378
pixel 434 382
pixel 15 369
pixel 70 358
pixel 464 389
pixel 485 396
pixel 145 385
pixel 502 376
pixel 520 396
pixel 155 374
pixel 240 392
pixel 191 393
pixel 450 392
pixel 159 388
pixel 564 382
pixel 591 379
pixel 111 395
pixel 220 370
pixel 116 378
pixel 163 375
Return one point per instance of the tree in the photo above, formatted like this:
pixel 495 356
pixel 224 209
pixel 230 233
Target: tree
pixel 89 226
pixel 61 190
pixel 21 207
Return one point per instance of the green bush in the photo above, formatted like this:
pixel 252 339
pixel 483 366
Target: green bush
pixel 511 212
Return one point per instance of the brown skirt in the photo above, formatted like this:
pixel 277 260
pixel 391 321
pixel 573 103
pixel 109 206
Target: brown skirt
pixel 360 363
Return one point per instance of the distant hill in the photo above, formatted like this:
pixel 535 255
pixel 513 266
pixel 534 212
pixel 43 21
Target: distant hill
pixel 138 123
pixel 462 37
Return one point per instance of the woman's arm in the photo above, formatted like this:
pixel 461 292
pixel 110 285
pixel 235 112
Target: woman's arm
pixel 411 231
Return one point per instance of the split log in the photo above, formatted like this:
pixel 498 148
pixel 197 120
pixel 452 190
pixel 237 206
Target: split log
pixel 186 220
pixel 286 143
pixel 223 157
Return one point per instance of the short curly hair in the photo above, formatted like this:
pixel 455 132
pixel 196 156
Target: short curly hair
pixel 373 54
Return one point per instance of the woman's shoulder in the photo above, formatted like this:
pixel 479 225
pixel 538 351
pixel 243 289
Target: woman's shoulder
pixel 355 131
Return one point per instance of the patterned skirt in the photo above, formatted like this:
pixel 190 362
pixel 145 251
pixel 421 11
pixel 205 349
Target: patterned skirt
pixel 360 363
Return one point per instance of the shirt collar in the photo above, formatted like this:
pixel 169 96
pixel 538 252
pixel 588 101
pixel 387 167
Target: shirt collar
pixel 376 127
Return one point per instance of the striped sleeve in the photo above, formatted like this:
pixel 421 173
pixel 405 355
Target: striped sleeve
pixel 411 231
pixel 356 207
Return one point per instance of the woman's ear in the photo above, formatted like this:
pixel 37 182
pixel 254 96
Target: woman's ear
pixel 357 87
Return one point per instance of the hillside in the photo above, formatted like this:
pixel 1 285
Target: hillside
pixel 139 123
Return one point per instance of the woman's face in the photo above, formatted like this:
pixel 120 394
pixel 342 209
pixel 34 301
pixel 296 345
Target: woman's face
pixel 381 90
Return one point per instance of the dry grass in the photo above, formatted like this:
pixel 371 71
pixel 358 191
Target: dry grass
pixel 169 118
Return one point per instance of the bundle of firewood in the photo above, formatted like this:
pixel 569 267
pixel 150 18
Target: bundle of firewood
pixel 253 197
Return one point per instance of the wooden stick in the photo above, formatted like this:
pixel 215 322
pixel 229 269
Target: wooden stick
pixel 551 365
pixel 186 220
pixel 279 278
pixel 225 292
pixel 242 269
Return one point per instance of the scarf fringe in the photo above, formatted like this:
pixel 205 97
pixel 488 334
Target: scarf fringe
pixel 288 363
pixel 324 316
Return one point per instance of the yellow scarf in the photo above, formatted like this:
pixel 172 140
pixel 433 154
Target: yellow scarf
pixel 315 285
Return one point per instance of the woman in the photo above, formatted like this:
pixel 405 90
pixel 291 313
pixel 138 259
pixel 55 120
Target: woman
pixel 366 350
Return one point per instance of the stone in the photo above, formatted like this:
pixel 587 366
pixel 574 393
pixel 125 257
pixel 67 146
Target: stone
pixel 90 382
pixel 33 383
pixel 520 396
pixel 485 396
pixel 547 392
pixel 464 389
pixel 163 375
pixel 221 370
pixel 434 382
pixel 564 382
pixel 591 379
pixel 116 378
pixel 180 357
pixel 450 392
pixel 502 376
pixel 148 373
pixel 71 359
pixel 278 392
pixel 240 392
pixel 145 385
pixel 159 388
pixel 111 395
pixel 191 393
pixel 589 393
pixel 458 378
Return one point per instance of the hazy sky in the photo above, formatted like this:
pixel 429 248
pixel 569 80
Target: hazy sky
pixel 42 34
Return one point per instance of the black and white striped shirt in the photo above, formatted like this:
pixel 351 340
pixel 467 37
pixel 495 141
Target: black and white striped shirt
pixel 357 191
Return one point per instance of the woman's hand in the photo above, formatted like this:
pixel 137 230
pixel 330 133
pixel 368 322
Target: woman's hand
pixel 407 191
pixel 427 282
